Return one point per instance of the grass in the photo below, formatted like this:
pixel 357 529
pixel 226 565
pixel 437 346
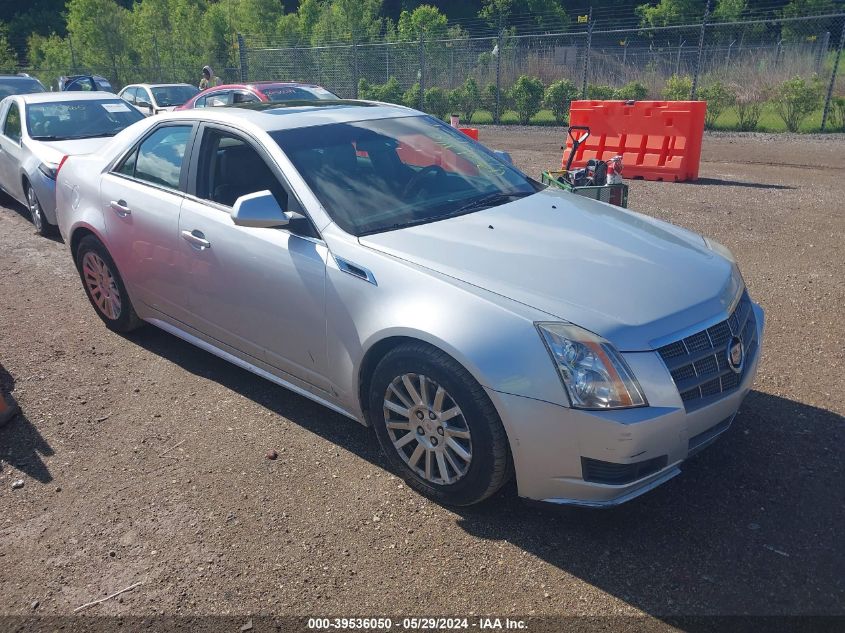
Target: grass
pixel 728 120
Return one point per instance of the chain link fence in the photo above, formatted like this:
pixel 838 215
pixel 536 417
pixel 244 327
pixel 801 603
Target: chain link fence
pixel 753 57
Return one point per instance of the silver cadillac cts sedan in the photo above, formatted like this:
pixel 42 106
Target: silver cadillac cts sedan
pixel 377 261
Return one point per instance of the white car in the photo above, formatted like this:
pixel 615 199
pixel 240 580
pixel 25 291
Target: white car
pixel 151 99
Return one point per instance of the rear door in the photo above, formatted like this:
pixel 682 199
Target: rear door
pixel 141 198
pixel 260 291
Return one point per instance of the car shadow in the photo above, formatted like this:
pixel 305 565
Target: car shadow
pixel 750 527
pixel 10 203
pixel 21 445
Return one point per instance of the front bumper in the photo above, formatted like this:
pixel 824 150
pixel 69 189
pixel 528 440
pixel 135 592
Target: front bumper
pixel 555 447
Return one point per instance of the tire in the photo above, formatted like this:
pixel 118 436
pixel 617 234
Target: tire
pixel 104 286
pixel 476 427
pixel 36 212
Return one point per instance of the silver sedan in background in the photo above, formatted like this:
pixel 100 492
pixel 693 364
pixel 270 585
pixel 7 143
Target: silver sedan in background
pixel 385 265
pixel 152 99
pixel 37 131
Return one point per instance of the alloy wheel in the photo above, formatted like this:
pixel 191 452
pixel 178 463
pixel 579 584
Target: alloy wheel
pixel 35 209
pixel 427 429
pixel 101 285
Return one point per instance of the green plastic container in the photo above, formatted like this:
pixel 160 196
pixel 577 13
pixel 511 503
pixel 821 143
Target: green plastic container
pixel 614 194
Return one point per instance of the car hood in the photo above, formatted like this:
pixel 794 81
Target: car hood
pixel 53 151
pixel 630 278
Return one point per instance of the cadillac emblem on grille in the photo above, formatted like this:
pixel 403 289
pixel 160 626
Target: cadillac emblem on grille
pixel 736 354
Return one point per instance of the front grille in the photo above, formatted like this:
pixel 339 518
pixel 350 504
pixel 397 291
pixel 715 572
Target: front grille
pixel 699 362
pixel 600 472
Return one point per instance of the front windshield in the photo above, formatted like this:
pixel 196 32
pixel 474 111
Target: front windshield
pixel 169 96
pixel 19 86
pixel 66 120
pixel 277 94
pixel 380 175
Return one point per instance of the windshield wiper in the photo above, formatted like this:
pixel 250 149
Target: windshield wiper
pixel 97 135
pixel 491 200
pixel 48 137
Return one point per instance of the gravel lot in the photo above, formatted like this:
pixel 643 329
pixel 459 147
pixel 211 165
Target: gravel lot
pixel 143 458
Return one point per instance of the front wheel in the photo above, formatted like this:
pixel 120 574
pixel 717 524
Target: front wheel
pixel 104 286
pixel 437 426
pixel 39 220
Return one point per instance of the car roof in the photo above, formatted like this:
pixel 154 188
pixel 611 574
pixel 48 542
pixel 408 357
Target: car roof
pixel 74 95
pixel 258 85
pixel 155 85
pixel 275 117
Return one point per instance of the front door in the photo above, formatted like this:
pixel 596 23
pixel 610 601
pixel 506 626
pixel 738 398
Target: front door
pixel 260 291
pixel 141 198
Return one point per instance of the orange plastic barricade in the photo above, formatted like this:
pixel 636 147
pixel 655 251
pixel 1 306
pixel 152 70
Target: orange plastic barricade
pixel 658 140
pixel 471 132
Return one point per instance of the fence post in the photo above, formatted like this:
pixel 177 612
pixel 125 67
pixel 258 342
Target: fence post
pixel 694 89
pixel 422 72
pixel 587 54
pixel 826 111
pixel 500 41
pixel 354 67
pixel 242 58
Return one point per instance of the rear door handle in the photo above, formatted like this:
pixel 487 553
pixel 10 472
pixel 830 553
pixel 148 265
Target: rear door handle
pixel 119 207
pixel 196 239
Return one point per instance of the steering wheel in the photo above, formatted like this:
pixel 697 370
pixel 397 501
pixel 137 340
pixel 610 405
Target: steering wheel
pixel 416 181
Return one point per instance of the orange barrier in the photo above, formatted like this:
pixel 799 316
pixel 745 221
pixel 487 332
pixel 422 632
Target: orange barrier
pixel 658 140
pixel 471 132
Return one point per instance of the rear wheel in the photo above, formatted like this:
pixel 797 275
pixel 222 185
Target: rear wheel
pixel 437 426
pixel 39 220
pixel 104 286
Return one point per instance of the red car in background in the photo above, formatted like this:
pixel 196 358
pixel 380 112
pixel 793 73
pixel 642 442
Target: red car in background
pixel 259 92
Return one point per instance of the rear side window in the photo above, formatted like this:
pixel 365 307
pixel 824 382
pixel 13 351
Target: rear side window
pixel 158 159
pixel 12 124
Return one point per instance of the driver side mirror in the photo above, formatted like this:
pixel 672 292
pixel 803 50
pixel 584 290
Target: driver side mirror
pixel 145 104
pixel 259 210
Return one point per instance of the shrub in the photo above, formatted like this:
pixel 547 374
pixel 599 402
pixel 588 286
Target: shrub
pixel 465 100
pixel 632 91
pixel 436 102
pixel 796 99
pixel 678 88
pixel 390 92
pixel 558 97
pixel 600 92
pixel 719 97
pixel 488 98
pixel 411 98
pixel 365 90
pixel 749 105
pixel 527 97
pixel 836 116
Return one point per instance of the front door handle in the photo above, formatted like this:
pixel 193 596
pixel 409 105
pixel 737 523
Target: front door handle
pixel 196 239
pixel 119 207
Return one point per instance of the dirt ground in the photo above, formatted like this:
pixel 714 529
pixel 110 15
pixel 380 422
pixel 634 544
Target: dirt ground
pixel 143 458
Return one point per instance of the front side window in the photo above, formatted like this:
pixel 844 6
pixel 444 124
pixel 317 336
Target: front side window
pixel 230 167
pixel 380 175
pixel 158 159
pixel 129 94
pixel 69 120
pixel 218 99
pixel 12 124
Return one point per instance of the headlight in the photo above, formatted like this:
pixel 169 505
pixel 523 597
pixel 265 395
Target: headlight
pixel 50 170
pixel 594 374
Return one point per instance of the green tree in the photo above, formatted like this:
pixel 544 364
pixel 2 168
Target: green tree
pixel 50 54
pixel 796 31
pixel 533 15
pixel 669 12
pixel 161 28
pixel 558 96
pixel 8 58
pixel 425 20
pixel 100 30
pixel 527 97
